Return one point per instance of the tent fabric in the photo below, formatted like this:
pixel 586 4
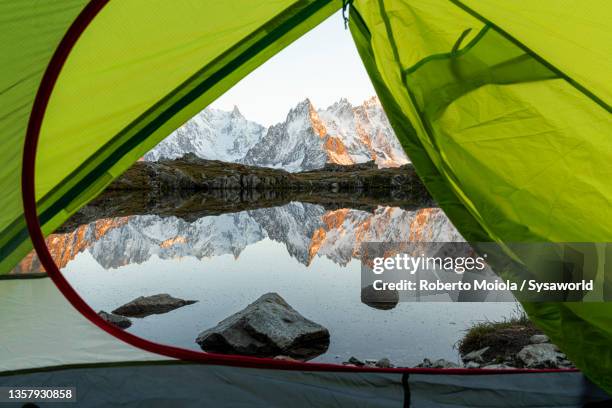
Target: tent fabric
pixel 24 58
pixel 135 74
pixel 503 107
pixel 513 144
pixel 191 385
pixel 41 329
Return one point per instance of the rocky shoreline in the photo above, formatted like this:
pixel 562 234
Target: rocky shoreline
pixel 540 353
pixel 191 188
pixel 508 344
pixel 191 173
pixel 270 327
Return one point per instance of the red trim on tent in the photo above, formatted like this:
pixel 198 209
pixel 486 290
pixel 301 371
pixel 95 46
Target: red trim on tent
pixel 31 215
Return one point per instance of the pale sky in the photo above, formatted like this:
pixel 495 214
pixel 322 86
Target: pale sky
pixel 323 65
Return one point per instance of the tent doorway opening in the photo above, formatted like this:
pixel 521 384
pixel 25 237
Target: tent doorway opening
pixel 248 224
pixel 429 92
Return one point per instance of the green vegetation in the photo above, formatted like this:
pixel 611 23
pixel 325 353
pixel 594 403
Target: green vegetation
pixel 504 338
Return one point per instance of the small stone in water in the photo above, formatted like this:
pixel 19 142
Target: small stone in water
pixel 355 361
pixel 442 363
pixel 120 321
pixel 425 364
pixel 384 363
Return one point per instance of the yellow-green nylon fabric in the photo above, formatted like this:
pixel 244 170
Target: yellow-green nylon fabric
pixel 574 35
pixel 139 71
pixel 30 31
pixel 130 57
pixel 505 113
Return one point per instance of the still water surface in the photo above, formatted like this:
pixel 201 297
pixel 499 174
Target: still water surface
pixel 308 255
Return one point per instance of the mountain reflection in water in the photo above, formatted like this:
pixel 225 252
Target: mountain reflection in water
pixel 306 231
pixel 305 252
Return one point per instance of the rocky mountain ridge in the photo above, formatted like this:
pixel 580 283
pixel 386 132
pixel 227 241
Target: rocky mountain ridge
pixel 307 139
pixel 191 173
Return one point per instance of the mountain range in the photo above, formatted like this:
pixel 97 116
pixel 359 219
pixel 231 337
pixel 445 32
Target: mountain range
pixel 306 140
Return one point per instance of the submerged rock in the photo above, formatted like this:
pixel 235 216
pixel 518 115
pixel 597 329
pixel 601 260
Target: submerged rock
pixel 149 305
pixel 379 299
pixel 120 321
pixel 267 327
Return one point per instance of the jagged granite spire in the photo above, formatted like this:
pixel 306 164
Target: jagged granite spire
pixel 306 140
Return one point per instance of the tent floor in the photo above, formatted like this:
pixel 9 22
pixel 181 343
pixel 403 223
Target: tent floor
pixel 162 384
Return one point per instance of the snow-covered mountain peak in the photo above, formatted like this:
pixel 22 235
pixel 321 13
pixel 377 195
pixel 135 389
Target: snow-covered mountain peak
pixel 294 145
pixel 211 134
pixel 307 139
pixel 302 108
pixel 372 101
pixel 341 107
pixel 236 113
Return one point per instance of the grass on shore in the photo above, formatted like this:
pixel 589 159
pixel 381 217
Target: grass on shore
pixel 504 338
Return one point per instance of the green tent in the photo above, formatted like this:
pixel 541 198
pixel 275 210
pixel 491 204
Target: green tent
pixel 503 106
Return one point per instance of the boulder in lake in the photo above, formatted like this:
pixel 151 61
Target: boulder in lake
pixel 148 305
pixel 265 328
pixel 120 321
